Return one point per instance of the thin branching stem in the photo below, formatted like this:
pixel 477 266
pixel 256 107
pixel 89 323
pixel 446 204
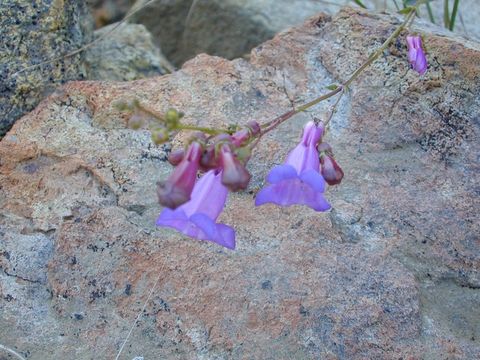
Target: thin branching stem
pixel 284 117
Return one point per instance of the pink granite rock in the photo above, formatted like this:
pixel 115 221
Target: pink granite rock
pixel 391 272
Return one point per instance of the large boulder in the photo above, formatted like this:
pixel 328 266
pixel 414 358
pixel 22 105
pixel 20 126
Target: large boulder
pixel 227 28
pixel 392 271
pixel 124 52
pixel 33 32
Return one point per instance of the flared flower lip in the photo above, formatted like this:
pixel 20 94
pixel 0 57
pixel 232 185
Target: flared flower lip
pixel 298 181
pixel 197 217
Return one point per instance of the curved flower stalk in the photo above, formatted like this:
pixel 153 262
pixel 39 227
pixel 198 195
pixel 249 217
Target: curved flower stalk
pixel 298 181
pixel 197 218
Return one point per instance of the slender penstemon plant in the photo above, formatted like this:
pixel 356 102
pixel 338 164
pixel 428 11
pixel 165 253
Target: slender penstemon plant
pixel 222 155
pixel 192 206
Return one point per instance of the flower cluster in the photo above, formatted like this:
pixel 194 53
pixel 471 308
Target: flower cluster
pixel 193 205
pixel 194 209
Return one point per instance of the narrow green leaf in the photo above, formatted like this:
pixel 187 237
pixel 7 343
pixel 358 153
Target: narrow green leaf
pixel 332 87
pixel 430 13
pixel 359 3
pixel 454 14
pixel 406 10
pixel 446 14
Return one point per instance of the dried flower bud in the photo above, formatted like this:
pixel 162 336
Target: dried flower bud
pixel 176 156
pixel 331 171
pixel 234 175
pixel 160 135
pixel 176 190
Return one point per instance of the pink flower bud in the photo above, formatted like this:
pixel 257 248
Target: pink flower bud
pixel 208 160
pixel 234 175
pixel 176 156
pixel 254 127
pixel 176 190
pixel 416 55
pixel 331 172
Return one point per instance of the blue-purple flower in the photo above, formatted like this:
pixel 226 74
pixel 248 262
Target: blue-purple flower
pixel 197 218
pixel 298 181
pixel 416 55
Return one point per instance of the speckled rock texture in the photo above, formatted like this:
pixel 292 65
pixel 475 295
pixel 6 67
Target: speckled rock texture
pixel 32 32
pixel 126 53
pixel 392 271
pixel 108 11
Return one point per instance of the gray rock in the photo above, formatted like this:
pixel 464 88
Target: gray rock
pixel 227 28
pixel 127 53
pixel 166 22
pixel 33 32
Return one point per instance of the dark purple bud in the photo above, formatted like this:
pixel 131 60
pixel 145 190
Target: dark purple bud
pixel 331 172
pixel 234 175
pixel 208 160
pixel 176 190
pixel 176 156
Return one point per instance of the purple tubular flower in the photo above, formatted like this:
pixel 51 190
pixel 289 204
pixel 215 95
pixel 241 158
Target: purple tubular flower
pixel 197 217
pixel 176 190
pixel 298 181
pixel 416 55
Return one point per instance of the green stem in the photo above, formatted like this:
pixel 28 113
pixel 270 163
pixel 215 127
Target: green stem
pixel 446 15
pixel 430 13
pixel 206 130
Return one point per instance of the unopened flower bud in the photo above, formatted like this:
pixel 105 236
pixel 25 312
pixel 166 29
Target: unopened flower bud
pixel 254 127
pixel 176 190
pixel 208 160
pixel 416 55
pixel 172 116
pixel 160 135
pixel 324 148
pixel 176 156
pixel 234 175
pixel 240 137
pixel 331 171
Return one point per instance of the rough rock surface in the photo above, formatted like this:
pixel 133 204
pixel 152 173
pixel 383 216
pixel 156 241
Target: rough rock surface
pixel 166 21
pixel 126 53
pixel 227 28
pixel 391 272
pixel 31 32
pixel 109 11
